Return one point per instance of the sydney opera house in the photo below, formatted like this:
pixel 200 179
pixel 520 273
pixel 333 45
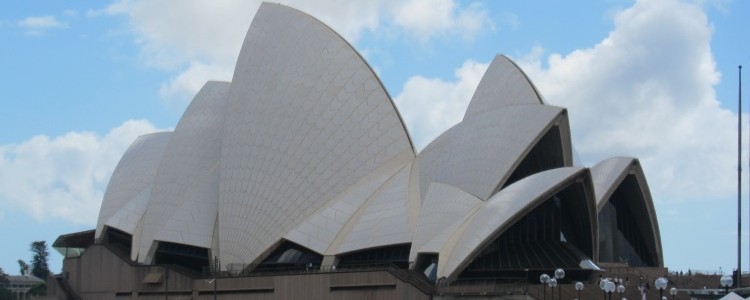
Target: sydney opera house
pixel 299 179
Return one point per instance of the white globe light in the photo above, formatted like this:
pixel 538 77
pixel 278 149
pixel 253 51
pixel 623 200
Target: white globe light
pixel 579 286
pixel 544 278
pixel 609 287
pixel 673 291
pixel 726 281
pixel 620 288
pixel 661 283
pixel 602 283
pixel 552 282
pixel 559 273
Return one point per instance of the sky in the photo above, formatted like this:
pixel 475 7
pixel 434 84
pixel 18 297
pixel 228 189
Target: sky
pixel 653 79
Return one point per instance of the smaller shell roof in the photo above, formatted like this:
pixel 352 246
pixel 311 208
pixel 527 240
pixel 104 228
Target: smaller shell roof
pixel 132 177
pixel 503 84
pixel 607 174
pixel 479 154
pixel 500 212
pixel 184 198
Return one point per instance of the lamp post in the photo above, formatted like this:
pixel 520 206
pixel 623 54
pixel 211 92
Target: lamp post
pixel 621 289
pixel 602 283
pixel 726 281
pixel 559 275
pixel 661 284
pixel 673 292
pixel 609 287
pixel 166 283
pixel 552 284
pixel 579 287
pixel 544 278
pixel 216 270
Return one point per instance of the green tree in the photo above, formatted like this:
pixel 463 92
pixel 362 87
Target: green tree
pixel 3 277
pixel 39 265
pixel 4 292
pixel 23 267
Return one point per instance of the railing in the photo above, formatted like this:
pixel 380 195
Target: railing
pixel 484 286
pixel 410 277
pixel 67 289
pixel 248 270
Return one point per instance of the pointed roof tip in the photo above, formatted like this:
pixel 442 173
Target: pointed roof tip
pixel 608 173
pixel 330 30
pixel 504 83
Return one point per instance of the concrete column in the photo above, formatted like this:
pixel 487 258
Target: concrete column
pixel 328 262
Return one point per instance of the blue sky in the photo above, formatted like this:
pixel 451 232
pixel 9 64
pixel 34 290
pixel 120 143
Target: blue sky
pixel 654 79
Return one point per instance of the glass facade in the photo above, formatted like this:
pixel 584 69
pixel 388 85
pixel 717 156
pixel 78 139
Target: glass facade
pixel 547 154
pixel 189 257
pixel 289 255
pixel 553 235
pixel 397 255
pixel 625 228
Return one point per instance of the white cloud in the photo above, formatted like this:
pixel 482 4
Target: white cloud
pixel 63 177
pixel 430 106
pixel 184 84
pixel 201 39
pixel 70 12
pixel 37 25
pixel 647 90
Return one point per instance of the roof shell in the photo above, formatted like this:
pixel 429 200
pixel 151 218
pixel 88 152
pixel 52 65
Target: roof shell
pixel 502 211
pixel 444 209
pixel 184 198
pixel 129 188
pixel 479 154
pixel 607 176
pixel 503 84
pixel 307 119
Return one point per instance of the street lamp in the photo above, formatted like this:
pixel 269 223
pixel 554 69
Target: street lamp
pixel 673 292
pixel 726 282
pixel 579 287
pixel 559 275
pixel 602 283
pixel 609 287
pixel 213 282
pixel 661 284
pixel 552 284
pixel 621 289
pixel 544 278
pixel 166 283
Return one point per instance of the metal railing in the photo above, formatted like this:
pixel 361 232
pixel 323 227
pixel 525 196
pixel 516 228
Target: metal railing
pixel 248 270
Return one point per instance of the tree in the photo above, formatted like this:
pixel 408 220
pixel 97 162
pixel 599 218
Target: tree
pixel 4 292
pixel 39 265
pixel 3 277
pixel 23 267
